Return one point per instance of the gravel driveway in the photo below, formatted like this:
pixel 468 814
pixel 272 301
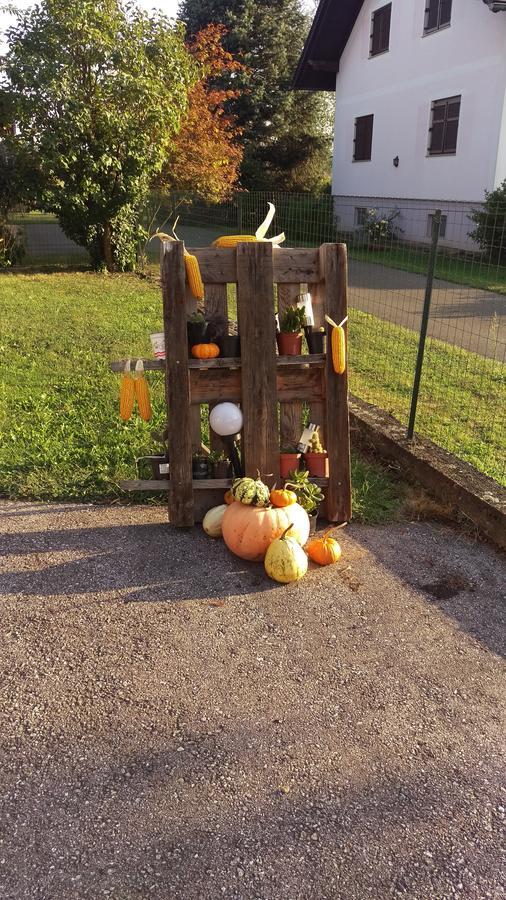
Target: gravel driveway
pixel 175 726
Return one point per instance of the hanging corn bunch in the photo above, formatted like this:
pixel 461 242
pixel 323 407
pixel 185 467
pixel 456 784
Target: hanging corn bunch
pixel 126 393
pixel 193 275
pixel 142 392
pixel 338 345
pixel 231 240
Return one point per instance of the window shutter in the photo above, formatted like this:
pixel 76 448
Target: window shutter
pixel 446 12
pixel 380 34
pixel 431 15
pixel 363 138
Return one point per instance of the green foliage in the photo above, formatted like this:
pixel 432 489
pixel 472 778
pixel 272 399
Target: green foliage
pixel 98 91
pixel 292 320
pixel 380 229
pixel 286 134
pixel 490 231
pixel 315 444
pixel 309 495
pixel 12 247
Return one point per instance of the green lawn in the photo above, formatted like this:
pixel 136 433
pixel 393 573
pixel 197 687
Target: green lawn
pixel 460 269
pixel 61 436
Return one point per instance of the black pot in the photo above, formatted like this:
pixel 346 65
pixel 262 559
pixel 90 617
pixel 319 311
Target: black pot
pixel 221 469
pixel 230 345
pixel 312 523
pixel 156 463
pixel 196 333
pixel 200 467
pixel 315 339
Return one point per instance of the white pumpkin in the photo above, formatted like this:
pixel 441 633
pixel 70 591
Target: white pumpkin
pixel 212 520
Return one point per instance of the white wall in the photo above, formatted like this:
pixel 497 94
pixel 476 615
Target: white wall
pixel 467 58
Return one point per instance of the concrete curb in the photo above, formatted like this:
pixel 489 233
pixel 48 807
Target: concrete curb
pixel 443 475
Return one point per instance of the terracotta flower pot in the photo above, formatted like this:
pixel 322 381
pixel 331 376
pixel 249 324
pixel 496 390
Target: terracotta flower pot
pixel 288 462
pixel 317 464
pixel 289 344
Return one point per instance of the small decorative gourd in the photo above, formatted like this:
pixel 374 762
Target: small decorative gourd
pixel 285 560
pixel 205 351
pixel 229 497
pixel 282 498
pixel 213 519
pixel 251 491
pixel 324 550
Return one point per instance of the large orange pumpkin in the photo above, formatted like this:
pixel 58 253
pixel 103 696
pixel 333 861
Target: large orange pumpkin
pixel 249 530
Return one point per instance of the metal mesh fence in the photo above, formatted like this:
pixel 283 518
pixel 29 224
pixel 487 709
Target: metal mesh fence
pixel 462 398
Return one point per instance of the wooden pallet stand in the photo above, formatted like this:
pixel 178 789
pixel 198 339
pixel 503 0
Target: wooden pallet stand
pixel 270 389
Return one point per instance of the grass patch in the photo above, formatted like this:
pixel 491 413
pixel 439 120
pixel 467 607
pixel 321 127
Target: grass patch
pixel 470 270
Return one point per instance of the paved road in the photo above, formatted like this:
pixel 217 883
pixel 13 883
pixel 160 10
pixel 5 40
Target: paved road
pixel 175 725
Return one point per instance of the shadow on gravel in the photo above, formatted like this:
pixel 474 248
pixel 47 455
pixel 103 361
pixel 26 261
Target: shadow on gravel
pixel 150 563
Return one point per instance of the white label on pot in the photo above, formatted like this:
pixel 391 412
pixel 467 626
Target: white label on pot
pixel 164 468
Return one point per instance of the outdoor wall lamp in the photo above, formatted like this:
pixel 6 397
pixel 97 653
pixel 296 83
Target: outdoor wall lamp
pixel 226 420
pixel 395 161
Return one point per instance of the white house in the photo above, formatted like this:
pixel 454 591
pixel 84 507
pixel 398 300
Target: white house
pixel 420 115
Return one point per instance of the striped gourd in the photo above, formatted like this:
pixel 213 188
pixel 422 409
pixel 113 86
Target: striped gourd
pixel 251 491
pixel 142 392
pixel 231 240
pixel 338 349
pixel 193 275
pixel 126 394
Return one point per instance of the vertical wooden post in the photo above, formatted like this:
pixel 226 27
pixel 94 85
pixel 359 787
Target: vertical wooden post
pixel 317 407
pixel 334 266
pixel 177 386
pixel 290 416
pixel 255 305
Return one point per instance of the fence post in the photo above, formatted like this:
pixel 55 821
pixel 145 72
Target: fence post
pixel 239 213
pixel 436 224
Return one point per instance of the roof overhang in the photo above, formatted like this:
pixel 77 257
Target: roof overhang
pixel 331 28
pixel 496 5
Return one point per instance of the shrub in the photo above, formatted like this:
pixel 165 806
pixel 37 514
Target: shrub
pixel 12 248
pixel 490 231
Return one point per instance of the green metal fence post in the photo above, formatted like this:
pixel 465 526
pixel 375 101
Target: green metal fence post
pixel 239 213
pixel 436 224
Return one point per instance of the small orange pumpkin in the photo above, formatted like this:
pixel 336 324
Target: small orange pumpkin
pixel 205 351
pixel 229 497
pixel 324 550
pixel 282 497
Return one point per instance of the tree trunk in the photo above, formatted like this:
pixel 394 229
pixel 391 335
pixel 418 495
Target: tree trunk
pixel 107 247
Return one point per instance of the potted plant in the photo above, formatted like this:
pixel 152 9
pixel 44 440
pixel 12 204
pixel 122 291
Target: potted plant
pixel 159 462
pixel 200 465
pixel 289 336
pixel 230 345
pixel 196 327
pixel 309 496
pixel 315 338
pixel 220 464
pixel 288 460
pixel 316 457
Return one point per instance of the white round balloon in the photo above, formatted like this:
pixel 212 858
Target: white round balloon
pixel 226 419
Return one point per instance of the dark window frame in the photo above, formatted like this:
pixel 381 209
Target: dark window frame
pixel 376 21
pixel 446 121
pixel 365 140
pixel 360 216
pixel 437 6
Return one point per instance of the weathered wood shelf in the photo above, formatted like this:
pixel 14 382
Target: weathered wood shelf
pixel 224 362
pixel 144 484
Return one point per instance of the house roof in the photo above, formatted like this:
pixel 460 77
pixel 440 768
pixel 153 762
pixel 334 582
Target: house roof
pixel 331 28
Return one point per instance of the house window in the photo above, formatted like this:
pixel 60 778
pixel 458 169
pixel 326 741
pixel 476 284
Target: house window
pixel 380 30
pixel 362 143
pixel 442 226
pixel 360 215
pixel 444 124
pixel 438 14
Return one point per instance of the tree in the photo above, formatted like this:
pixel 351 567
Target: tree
pixel 99 90
pixel 206 154
pixel 490 221
pixel 286 134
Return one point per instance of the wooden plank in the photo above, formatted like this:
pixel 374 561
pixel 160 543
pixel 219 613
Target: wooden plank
pixel 215 304
pixel 177 386
pixel 315 360
pixel 293 384
pixel 196 428
pixel 335 267
pixel 218 265
pixel 255 303
pixel 208 484
pixel 290 413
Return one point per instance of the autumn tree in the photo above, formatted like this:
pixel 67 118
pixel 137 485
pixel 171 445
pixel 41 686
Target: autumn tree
pixel 99 89
pixel 207 154
pixel 286 134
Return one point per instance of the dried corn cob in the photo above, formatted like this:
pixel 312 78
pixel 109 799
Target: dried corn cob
pixel 193 275
pixel 231 240
pixel 142 392
pixel 126 393
pixel 338 349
